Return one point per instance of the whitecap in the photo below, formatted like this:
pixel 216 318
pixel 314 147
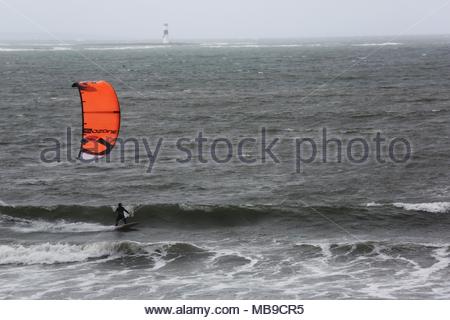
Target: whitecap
pixel 373 204
pixel 50 253
pixel 384 44
pixel 59 226
pixel 433 207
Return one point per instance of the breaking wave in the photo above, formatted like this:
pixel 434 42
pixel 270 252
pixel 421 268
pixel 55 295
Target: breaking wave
pixel 61 252
pixel 129 47
pixel 74 218
pixel 23 225
pixel 432 207
pixel 383 44
pixel 23 49
pixel 432 257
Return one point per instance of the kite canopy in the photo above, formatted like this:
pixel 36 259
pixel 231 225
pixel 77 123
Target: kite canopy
pixel 101 118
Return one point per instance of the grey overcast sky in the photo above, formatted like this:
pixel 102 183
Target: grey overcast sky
pixel 216 19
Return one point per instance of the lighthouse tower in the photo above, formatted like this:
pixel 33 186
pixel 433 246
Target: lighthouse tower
pixel 165 39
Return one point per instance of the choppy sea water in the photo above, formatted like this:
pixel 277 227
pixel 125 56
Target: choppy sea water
pixel 377 229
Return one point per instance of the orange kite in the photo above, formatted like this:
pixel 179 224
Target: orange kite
pixel 101 118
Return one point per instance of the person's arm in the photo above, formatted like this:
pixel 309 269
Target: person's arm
pixel 126 210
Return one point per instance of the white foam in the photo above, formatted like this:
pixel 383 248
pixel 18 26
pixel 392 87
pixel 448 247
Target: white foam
pixel 61 48
pixel 59 226
pixel 125 48
pixel 47 253
pixel 433 207
pixel 17 49
pixel 384 44
pixel 236 46
pixel 50 253
pixel 192 207
pixel 442 257
pixel 252 45
pixel 207 44
pixel 12 49
pixel 373 204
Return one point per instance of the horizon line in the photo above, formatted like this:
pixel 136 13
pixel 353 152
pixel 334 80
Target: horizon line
pixel 80 39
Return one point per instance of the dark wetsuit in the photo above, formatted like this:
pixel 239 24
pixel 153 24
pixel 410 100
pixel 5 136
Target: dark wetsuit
pixel 121 215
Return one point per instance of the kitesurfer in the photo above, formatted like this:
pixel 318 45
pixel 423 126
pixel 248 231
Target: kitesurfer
pixel 122 214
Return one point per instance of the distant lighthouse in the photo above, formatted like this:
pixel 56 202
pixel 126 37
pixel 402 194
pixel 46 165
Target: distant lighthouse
pixel 165 39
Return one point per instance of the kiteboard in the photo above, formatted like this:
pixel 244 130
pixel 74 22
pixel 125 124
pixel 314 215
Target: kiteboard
pixel 126 227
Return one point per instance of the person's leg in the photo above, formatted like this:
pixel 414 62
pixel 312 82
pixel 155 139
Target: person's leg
pixel 125 220
pixel 120 217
